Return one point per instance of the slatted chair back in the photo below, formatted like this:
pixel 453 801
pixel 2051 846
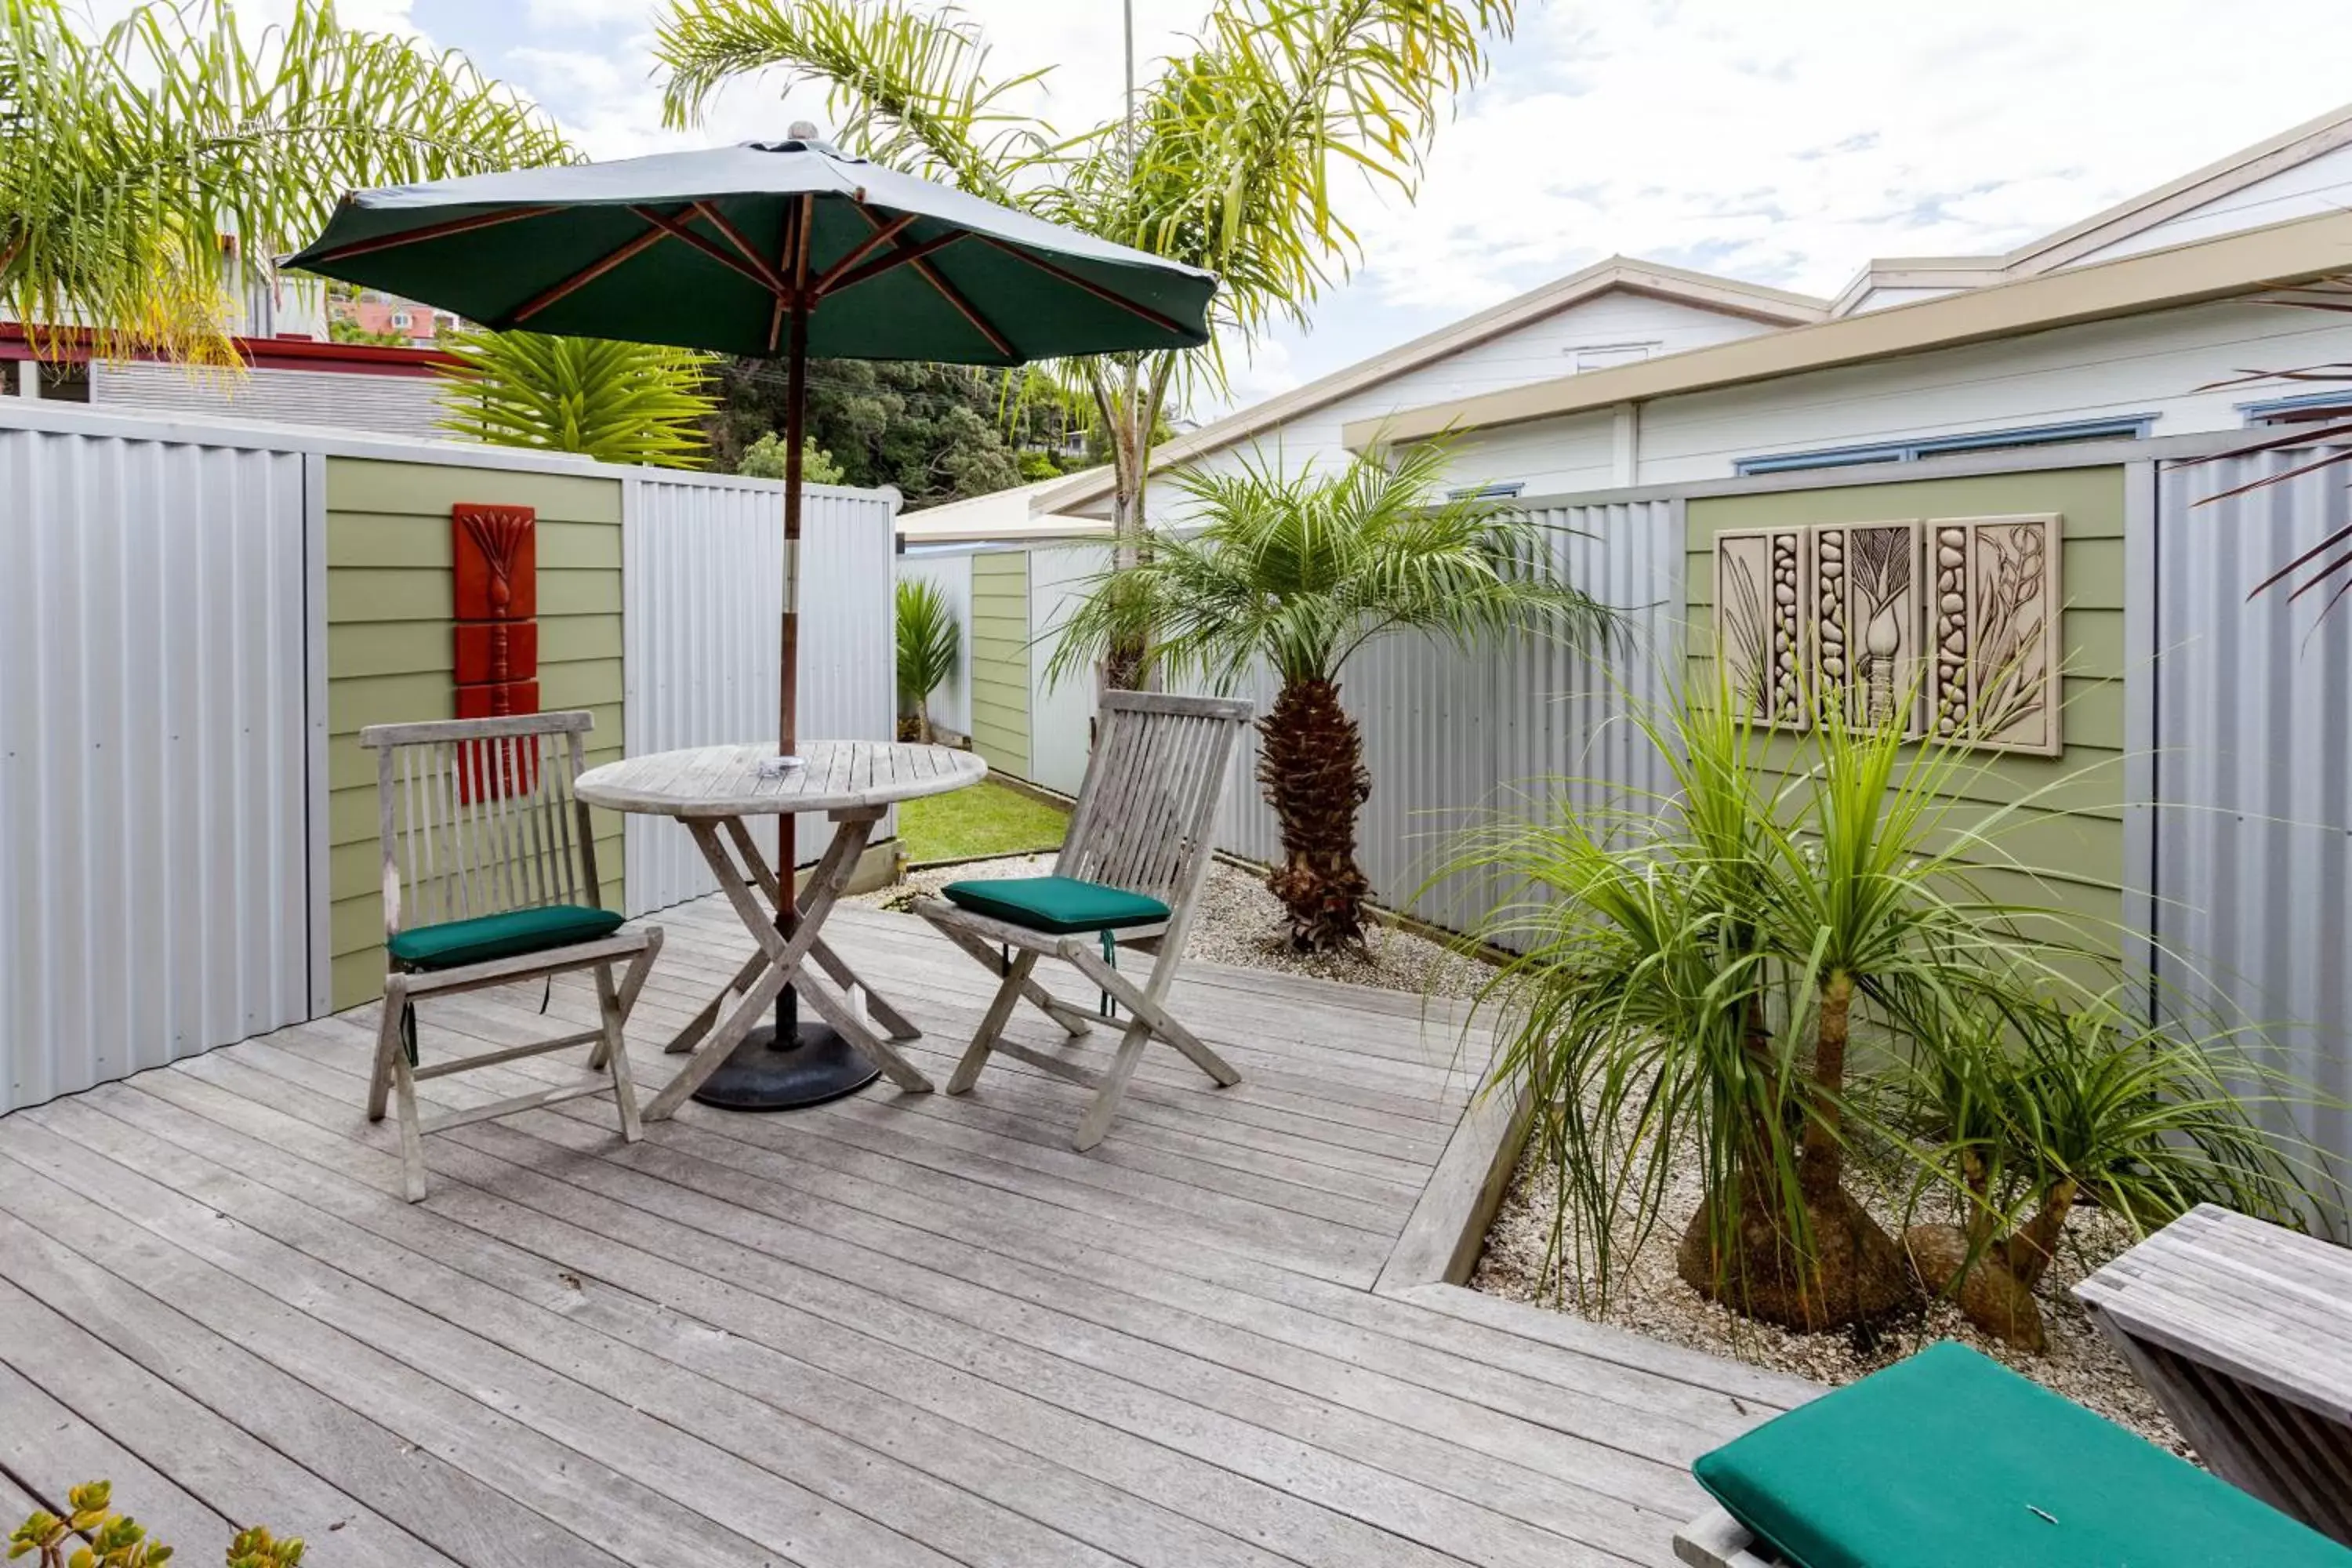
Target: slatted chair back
pixel 479 817
pixel 1146 816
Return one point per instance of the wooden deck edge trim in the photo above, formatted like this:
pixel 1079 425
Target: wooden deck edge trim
pixel 1447 1228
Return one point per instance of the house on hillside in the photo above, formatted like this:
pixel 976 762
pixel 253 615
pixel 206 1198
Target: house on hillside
pixel 2115 329
pixel 370 315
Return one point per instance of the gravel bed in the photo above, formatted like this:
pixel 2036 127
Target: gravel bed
pixel 1239 923
pixel 1650 1297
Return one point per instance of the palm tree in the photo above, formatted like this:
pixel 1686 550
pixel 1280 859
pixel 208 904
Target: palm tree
pixel 148 171
pixel 1226 165
pixel 1300 571
pixel 930 642
pixel 619 403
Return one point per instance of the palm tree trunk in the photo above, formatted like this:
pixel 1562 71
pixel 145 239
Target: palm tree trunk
pixel 1312 768
pixel 1129 422
pixel 2032 1248
pixel 1824 1156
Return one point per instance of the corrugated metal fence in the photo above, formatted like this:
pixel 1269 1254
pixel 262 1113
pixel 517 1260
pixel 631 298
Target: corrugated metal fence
pixel 155 805
pixel 2251 865
pixel 163 863
pixel 702 593
pixel 1449 737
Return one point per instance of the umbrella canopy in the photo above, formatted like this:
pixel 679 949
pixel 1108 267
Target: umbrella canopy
pixel 703 249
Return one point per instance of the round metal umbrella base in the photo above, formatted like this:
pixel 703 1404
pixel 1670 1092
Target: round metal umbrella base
pixel 757 1076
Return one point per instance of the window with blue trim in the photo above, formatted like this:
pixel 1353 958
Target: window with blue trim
pixel 2310 408
pixel 1487 492
pixel 2123 427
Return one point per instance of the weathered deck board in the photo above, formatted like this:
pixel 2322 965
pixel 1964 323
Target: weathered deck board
pixel 897 1329
pixel 53 1449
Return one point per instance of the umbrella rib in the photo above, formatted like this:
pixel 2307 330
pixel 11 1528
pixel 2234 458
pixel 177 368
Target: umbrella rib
pixel 837 280
pixel 864 248
pixel 430 231
pixel 735 237
pixel 953 296
pixel 586 275
pixel 676 230
pixel 1110 296
pixel 912 255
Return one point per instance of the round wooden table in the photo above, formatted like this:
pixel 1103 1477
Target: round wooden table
pixel 713 790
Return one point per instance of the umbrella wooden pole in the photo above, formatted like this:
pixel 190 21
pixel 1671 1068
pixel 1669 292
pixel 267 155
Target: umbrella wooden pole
pixel 788 1004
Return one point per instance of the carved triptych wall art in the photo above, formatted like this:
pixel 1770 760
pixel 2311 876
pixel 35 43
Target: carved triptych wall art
pixel 1760 621
pixel 1865 630
pixel 1993 681
pixel 1947 624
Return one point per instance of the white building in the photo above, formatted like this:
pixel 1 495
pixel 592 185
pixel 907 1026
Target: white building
pixel 2121 327
pixel 1000 517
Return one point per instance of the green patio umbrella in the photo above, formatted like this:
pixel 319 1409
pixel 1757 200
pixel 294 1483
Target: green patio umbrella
pixel 787 250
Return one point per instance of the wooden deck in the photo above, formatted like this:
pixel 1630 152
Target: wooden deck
pixel 893 1329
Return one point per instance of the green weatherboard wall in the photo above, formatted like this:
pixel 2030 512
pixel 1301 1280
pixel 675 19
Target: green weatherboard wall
pixel 389 649
pixel 999 660
pixel 2073 827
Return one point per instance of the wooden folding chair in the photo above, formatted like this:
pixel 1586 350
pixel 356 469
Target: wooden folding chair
pixel 1131 870
pixel 490 877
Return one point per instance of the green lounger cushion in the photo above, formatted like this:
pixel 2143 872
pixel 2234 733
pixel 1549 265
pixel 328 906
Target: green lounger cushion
pixel 1949 1458
pixel 1059 904
pixel 453 943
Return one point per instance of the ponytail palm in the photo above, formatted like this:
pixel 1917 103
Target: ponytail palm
pixel 930 644
pixel 1692 966
pixel 1298 573
pixel 149 170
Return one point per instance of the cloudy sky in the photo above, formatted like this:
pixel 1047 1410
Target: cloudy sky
pixel 1782 143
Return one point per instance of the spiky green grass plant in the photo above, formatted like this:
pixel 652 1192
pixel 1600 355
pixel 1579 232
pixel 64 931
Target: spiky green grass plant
pixel 1692 967
pixel 931 642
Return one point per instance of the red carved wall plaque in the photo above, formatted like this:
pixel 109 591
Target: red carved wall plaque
pixel 494 571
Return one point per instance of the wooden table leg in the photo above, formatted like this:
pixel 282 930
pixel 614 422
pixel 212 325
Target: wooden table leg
pixel 889 1017
pixel 877 1004
pixel 781 960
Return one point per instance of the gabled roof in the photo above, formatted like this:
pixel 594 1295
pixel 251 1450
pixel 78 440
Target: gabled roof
pixel 2224 177
pixel 1728 295
pixel 2249 263
pixel 1915 272
pixel 2220 178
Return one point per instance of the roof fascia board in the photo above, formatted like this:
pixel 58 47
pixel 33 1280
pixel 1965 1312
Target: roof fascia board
pixel 1917 272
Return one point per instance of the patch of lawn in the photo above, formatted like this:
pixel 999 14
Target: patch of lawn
pixel 987 819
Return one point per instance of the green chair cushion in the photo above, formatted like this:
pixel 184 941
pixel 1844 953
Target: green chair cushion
pixel 1949 1458
pixel 1059 904
pixel 452 943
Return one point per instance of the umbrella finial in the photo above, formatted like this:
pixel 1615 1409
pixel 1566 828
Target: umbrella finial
pixel 804 131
